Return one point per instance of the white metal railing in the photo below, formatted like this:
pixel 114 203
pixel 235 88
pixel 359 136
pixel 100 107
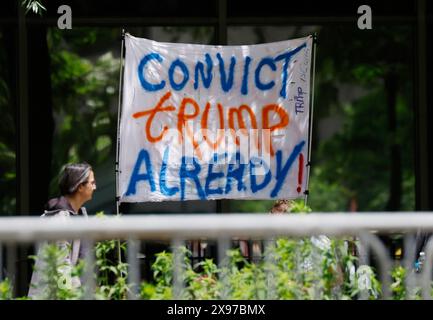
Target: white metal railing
pixel 223 227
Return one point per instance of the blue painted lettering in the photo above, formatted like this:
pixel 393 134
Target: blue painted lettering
pixel 199 69
pixel 165 190
pixel 281 172
pixel 269 62
pixel 190 174
pixel 226 83
pixel 286 57
pixel 253 174
pixel 182 66
pixel 235 174
pixel 244 88
pixel 136 176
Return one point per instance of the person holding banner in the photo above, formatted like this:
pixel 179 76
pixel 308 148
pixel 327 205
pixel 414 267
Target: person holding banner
pixel 77 184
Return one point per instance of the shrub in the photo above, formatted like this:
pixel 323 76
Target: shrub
pixel 298 269
pixel 5 290
pixel 305 268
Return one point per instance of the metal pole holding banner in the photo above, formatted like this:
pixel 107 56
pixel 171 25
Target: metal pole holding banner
pixel 119 112
pixel 310 134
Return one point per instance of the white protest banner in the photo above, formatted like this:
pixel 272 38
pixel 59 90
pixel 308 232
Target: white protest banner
pixel 214 122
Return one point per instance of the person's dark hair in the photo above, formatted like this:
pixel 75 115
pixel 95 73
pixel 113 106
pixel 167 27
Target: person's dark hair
pixel 72 176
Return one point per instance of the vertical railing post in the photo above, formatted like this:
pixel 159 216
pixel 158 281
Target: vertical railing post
pixel 385 265
pixel 11 256
pixel 364 260
pixel 134 270
pixel 409 246
pixel 223 263
pixel 427 268
pixel 178 281
pixel 270 263
pixel 89 281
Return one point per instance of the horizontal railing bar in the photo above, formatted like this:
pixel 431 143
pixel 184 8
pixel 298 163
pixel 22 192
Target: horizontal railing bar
pixel 192 226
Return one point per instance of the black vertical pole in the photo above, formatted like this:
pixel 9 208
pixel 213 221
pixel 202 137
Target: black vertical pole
pixel 310 133
pixel 18 271
pixel 119 112
pixel 421 116
pixel 422 123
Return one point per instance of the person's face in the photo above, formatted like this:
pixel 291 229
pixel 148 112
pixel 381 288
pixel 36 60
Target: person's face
pixel 89 187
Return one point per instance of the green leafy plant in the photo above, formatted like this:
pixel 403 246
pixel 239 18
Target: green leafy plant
pixel 399 290
pixel 33 5
pixel 304 268
pixel 57 280
pixel 162 276
pixel 5 290
pixel 112 273
pixel 56 276
pixel 301 271
pixel 204 285
pixel 397 287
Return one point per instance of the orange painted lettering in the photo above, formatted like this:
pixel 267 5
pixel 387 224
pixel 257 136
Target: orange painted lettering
pixel 284 121
pixel 152 113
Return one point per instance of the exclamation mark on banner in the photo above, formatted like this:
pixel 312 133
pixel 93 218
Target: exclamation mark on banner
pixel 300 172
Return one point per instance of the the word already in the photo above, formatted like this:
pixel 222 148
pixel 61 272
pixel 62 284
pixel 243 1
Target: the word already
pixel 178 68
pixel 237 118
pixel 235 178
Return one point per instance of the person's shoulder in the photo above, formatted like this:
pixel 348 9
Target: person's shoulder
pixel 58 207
